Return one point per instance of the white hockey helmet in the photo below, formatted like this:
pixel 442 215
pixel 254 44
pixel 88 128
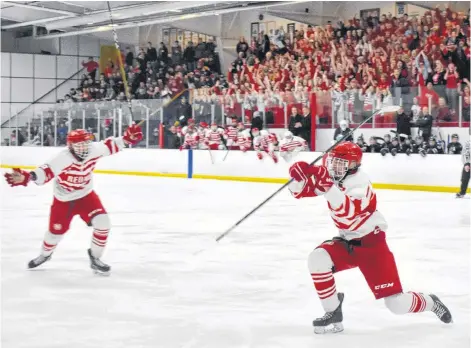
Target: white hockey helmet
pixel 343 124
pixel 288 135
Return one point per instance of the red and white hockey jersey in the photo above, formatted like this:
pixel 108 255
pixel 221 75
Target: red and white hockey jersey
pixel 73 178
pixel 265 143
pixel 191 140
pixel 244 140
pixel 214 136
pixel 353 207
pixel 294 144
pixel 231 135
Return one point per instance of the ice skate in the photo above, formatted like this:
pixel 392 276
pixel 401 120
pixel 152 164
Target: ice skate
pixel 38 261
pixel 442 312
pixel 98 266
pixel 331 322
pixel 459 195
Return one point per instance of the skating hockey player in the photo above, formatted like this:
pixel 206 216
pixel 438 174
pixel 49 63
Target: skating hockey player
pixel 465 155
pixel 213 138
pixel 361 242
pixel 454 148
pixel 244 140
pixel 72 173
pixel 191 139
pixel 291 145
pixel 263 142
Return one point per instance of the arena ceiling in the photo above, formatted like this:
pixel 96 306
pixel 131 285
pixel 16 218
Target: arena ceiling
pixel 68 18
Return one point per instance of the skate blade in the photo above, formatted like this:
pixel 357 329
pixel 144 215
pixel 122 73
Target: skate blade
pixel 329 329
pixel 100 273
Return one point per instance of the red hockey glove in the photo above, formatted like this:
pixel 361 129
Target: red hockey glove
pixel 18 177
pixel 273 156
pixel 181 148
pixel 300 171
pixel 323 180
pixel 133 134
pixel 259 155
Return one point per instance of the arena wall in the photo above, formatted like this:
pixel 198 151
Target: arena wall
pixel 440 173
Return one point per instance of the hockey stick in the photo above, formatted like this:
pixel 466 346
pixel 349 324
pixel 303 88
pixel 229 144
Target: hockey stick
pixel 120 62
pixel 211 155
pixel 227 152
pixel 385 109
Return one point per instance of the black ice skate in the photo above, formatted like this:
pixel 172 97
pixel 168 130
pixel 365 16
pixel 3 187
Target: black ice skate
pixel 331 322
pixel 460 195
pixel 97 265
pixel 38 261
pixel 442 312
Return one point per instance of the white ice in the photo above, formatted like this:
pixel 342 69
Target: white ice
pixel 251 290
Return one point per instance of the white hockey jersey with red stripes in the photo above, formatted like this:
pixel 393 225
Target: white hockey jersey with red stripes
pixel 353 207
pixel 191 140
pixel 73 179
pixel 297 143
pixel 244 140
pixel 214 137
pixel 231 133
pixel 264 142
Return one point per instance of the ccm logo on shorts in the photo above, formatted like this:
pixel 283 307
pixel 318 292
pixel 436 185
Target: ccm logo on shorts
pixel 384 286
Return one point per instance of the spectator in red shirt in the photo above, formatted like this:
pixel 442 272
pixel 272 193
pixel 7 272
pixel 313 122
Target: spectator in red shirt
pixel 91 66
pixel 452 81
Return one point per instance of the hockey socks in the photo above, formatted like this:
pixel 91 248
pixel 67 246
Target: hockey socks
pixel 326 290
pixel 50 242
pixel 98 243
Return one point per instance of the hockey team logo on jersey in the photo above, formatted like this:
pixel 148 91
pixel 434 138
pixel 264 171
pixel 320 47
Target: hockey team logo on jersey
pixel 57 227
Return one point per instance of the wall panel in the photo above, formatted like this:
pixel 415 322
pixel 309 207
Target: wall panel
pixel 66 66
pixel 5 112
pixel 89 46
pixel 22 90
pixel 69 45
pixel 5 64
pixel 44 66
pixel 6 88
pixel 41 87
pixel 21 65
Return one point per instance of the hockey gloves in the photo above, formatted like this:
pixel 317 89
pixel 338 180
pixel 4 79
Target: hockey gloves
pixel 133 135
pixel 309 181
pixel 18 177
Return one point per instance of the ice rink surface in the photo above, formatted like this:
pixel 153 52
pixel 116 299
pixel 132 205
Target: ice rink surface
pixel 251 290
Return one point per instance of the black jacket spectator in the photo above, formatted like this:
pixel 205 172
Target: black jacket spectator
pixel 163 53
pixel 340 133
pixel 184 109
pixel 129 57
pixel 200 49
pixel 257 121
pixel 295 123
pixel 242 46
pixel 306 126
pixel 425 126
pixel 151 55
pixel 189 53
pixel 403 123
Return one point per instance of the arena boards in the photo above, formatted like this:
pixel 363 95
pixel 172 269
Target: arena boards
pixel 434 173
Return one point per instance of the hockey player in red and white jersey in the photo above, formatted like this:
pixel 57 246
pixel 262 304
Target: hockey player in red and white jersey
pixel 213 139
pixel 190 122
pixel 264 142
pixel 72 173
pixel 244 140
pixel 202 129
pixel 231 135
pixel 191 139
pixel 361 242
pixel 291 145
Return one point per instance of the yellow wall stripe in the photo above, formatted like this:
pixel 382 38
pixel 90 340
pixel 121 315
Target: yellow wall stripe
pixel 427 188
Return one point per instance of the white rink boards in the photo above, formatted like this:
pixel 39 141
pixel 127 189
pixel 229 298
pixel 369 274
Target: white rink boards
pixel 251 290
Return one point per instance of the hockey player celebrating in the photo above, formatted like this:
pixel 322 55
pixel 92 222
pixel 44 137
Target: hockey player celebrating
pixel 264 142
pixel 361 242
pixel 230 135
pixel 71 170
pixel 213 138
pixel 244 141
pixel 192 138
pixel 202 129
pixel 291 145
